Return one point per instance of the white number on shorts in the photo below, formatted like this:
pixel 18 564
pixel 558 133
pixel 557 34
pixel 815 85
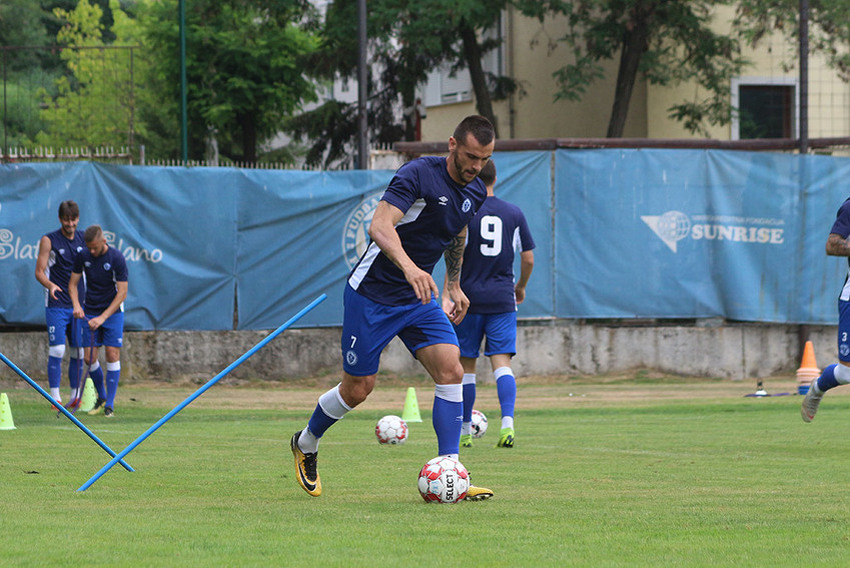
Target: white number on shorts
pixel 353 341
pixel 491 230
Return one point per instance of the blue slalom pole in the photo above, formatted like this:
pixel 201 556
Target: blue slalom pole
pixel 201 391
pixel 62 409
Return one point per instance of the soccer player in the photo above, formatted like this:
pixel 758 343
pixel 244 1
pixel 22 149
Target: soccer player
pixel 56 254
pixel 487 280
pixel 106 290
pixel 422 215
pixel 834 375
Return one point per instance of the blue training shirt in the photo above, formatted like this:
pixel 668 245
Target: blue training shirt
pixel 102 272
pixel 60 263
pixel 487 275
pixel 436 209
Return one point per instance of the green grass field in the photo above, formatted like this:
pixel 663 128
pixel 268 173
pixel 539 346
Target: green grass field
pixel 640 471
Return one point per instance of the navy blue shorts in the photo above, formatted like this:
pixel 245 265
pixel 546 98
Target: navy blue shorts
pixel 367 327
pixel 499 329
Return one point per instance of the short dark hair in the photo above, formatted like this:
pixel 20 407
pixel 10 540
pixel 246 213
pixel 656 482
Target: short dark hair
pixel 69 209
pixel 93 232
pixel 488 173
pixel 476 125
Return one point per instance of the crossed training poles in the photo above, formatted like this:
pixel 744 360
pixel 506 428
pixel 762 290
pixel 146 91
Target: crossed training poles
pixel 118 458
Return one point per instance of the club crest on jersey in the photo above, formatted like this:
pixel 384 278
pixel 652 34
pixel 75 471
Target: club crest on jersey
pixel 467 205
pixel 106 266
pixel 355 232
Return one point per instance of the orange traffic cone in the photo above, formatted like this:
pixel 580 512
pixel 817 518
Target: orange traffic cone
pixel 808 370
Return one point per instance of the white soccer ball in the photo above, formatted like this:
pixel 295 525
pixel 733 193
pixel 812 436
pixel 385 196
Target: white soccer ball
pixel 479 424
pixel 391 430
pixel 443 480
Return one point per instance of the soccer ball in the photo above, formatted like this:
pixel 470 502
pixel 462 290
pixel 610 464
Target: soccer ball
pixel 443 480
pixel 391 430
pixel 479 424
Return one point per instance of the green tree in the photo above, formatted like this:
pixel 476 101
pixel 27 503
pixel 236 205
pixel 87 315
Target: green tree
pixel 406 40
pixel 666 42
pixel 93 104
pixel 829 33
pixel 244 67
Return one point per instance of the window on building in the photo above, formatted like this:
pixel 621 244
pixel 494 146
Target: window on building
pixel 443 87
pixel 765 109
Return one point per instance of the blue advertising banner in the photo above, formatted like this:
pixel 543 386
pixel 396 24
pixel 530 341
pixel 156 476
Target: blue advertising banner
pixel 693 234
pixel 177 232
pixel 299 235
pixel 620 233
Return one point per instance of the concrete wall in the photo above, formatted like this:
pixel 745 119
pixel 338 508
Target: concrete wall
pixel 558 347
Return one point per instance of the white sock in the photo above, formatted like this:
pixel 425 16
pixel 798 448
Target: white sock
pixel 54 392
pixel 842 374
pixel 466 428
pixel 507 421
pixel 308 443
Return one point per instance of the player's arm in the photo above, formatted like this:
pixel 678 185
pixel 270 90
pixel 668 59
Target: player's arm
pixel 75 296
pixel 120 296
pixel 836 245
pixel 454 260
pixel 526 265
pixel 41 267
pixel 382 231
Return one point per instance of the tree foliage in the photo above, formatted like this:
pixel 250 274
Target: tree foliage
pixel 93 104
pixel 244 66
pixel 666 42
pixel 406 41
pixel 829 31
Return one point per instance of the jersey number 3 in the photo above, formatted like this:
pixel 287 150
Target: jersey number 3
pixel 491 235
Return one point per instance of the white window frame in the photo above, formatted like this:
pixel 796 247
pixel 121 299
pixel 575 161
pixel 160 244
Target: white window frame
pixel 738 82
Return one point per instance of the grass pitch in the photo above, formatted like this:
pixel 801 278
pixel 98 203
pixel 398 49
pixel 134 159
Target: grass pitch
pixel 635 471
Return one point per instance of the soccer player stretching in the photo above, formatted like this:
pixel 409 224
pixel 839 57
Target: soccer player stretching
pixel 103 310
pixel 422 215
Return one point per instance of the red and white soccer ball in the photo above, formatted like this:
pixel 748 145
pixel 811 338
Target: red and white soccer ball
pixel 479 424
pixel 443 480
pixel 391 430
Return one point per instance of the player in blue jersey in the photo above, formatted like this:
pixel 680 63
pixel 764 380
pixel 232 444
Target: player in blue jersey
pixel 497 230
pixel 834 375
pixel 103 312
pixel 422 216
pixel 56 254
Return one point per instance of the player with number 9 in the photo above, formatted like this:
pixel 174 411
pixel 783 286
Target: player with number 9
pixel 498 229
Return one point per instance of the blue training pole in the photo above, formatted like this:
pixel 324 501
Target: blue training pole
pixel 62 409
pixel 201 391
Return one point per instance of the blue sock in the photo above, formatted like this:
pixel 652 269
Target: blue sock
pixel 320 422
pixel 112 387
pixel 827 379
pixel 54 372
pixel 446 418
pixel 75 369
pixel 506 389
pixel 468 401
pixel 97 379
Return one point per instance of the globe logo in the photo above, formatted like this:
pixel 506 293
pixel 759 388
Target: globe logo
pixel 355 236
pixel 673 226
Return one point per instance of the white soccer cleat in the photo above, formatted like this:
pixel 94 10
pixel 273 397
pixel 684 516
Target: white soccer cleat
pixel 810 403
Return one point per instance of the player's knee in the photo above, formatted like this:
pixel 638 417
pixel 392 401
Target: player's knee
pixel 57 351
pixel 355 390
